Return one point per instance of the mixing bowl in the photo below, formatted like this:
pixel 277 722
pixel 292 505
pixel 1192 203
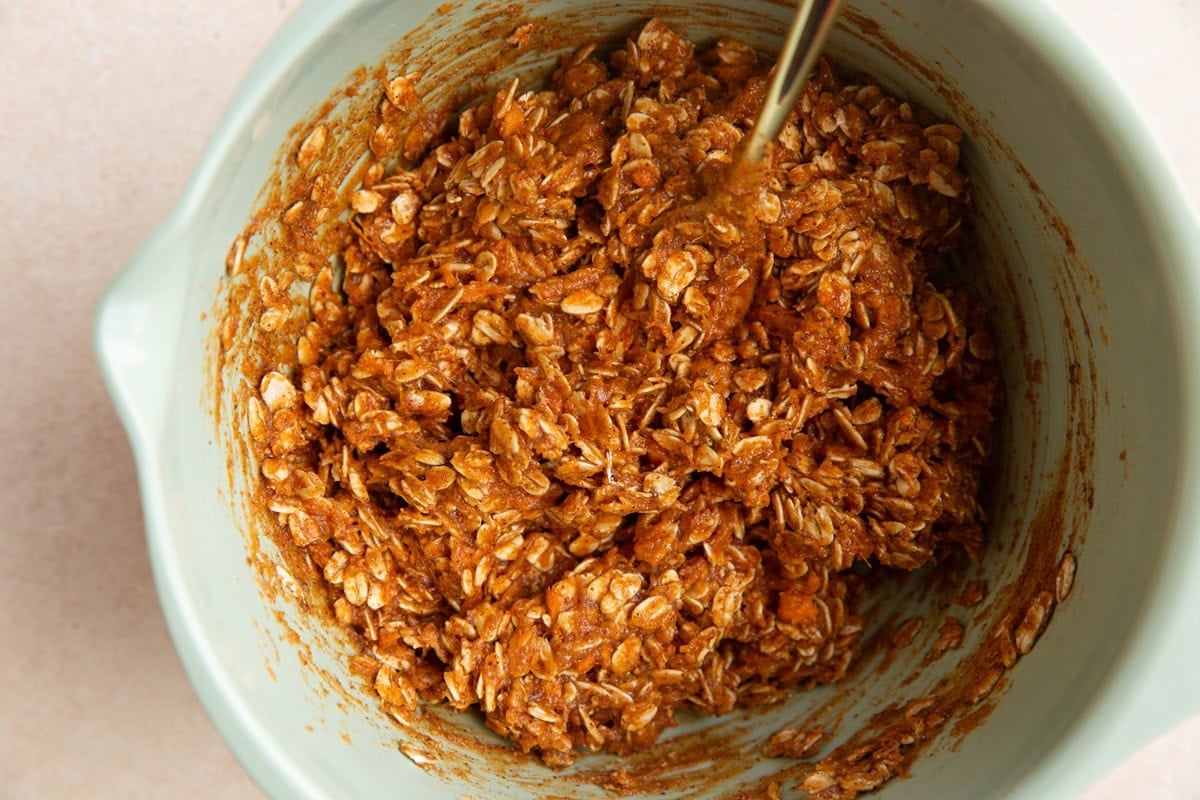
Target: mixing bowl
pixel 1084 247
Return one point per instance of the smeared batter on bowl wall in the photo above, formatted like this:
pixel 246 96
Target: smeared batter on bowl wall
pixel 301 217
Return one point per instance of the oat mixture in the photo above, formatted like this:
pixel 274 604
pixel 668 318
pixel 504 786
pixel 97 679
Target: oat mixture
pixel 578 452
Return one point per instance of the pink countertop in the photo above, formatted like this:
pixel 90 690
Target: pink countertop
pixel 104 109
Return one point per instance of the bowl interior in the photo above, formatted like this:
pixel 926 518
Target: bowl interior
pixel 1060 249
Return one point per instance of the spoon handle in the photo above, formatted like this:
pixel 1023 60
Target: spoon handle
pixel 810 26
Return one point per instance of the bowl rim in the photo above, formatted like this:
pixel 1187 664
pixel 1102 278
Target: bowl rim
pixel 1128 707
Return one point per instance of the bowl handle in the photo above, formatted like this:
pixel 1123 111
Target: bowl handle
pixel 136 330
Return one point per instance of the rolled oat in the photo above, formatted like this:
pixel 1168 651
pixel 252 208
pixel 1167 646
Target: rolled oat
pixel 575 449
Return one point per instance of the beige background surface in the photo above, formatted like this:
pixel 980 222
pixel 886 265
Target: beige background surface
pixel 104 109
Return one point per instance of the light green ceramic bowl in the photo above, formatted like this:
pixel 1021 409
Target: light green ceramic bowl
pixel 1091 260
